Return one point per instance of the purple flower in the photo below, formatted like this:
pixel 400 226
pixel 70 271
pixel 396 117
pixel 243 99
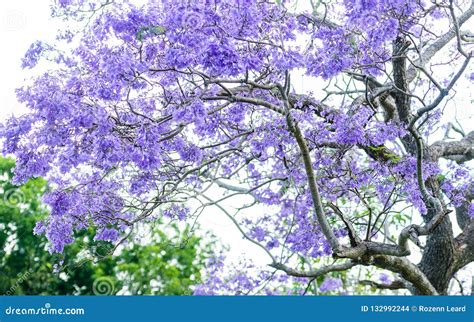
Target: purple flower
pixel 33 54
pixel 179 212
pixel 330 284
pixel 107 234
pixel 258 233
pixel 385 279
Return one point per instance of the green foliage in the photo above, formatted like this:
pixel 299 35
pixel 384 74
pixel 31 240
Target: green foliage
pixel 168 262
pixel 147 31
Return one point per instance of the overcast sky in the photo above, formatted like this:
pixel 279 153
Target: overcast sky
pixel 21 22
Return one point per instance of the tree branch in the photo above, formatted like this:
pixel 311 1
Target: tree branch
pixel 465 246
pixel 395 285
pixel 436 46
pixel 402 100
pixel 244 234
pixel 318 206
pixel 459 151
pixel 409 271
pixel 314 273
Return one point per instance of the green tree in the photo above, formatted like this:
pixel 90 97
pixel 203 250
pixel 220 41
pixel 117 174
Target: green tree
pixel 168 262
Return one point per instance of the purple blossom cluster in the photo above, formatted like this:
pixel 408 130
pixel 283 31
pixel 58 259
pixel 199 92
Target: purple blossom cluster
pixel 33 54
pixel 330 284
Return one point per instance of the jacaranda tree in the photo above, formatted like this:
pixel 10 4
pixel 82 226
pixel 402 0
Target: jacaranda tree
pixel 168 108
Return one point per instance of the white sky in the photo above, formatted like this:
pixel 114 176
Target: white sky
pixel 21 22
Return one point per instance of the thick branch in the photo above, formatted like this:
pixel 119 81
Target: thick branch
pixel 412 232
pixel 465 246
pixel 402 100
pixel 395 285
pixel 436 46
pixel 314 273
pixel 465 241
pixel 462 212
pixel 408 271
pixel 459 151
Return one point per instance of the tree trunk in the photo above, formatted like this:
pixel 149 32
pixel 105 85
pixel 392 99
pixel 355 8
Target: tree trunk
pixel 438 262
